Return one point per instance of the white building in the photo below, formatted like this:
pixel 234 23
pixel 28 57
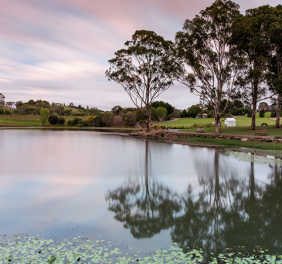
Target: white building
pixel 230 122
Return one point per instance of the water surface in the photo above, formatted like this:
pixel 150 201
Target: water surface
pixel 146 194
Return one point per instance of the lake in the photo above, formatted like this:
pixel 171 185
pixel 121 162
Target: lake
pixel 146 194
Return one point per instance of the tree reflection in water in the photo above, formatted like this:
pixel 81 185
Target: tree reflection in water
pixel 228 211
pixel 146 207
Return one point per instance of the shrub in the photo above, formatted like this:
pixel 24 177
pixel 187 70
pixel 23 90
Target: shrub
pixel 89 118
pixel 61 120
pixel 74 121
pixel 157 127
pixel 249 114
pixel 129 119
pixel 83 123
pixel 7 112
pixel 273 114
pixel 262 113
pixel 53 119
pixel 67 112
pixel 34 113
pixel 16 112
pixel 107 119
pixel 96 121
pixel 118 121
pixel 44 113
pixel 1 111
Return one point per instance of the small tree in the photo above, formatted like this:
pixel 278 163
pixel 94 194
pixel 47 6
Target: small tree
pixel 262 113
pixel 145 69
pixel 44 113
pixel 161 113
pixel 2 100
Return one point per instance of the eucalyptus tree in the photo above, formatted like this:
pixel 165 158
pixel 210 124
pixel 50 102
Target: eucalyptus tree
pixel 145 69
pixel 204 47
pixel 249 33
pixel 274 32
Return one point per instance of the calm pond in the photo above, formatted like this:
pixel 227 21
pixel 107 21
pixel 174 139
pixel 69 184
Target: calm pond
pixel 146 194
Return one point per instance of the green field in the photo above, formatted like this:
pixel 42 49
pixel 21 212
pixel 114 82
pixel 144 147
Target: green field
pixel 25 120
pixel 243 127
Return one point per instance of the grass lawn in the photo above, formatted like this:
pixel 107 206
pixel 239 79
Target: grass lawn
pixel 237 143
pixel 243 127
pixel 26 120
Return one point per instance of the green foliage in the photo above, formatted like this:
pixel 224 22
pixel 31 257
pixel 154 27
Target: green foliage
pixel 96 121
pixel 140 115
pixel 7 112
pixel 61 120
pixel 74 121
pixel 194 110
pixel 116 109
pixel 184 114
pixel 53 119
pixel 1 111
pixel 157 127
pixel 83 123
pixel 44 113
pixel 67 112
pixel 16 112
pixel 167 106
pixel 129 119
pixel 107 119
pixel 161 113
pixel 147 66
pixel 31 102
pixel 261 113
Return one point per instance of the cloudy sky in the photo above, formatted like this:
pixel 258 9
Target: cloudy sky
pixel 58 50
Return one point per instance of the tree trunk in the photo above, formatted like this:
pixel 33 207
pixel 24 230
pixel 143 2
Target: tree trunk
pixel 147 114
pixel 278 111
pixel 253 125
pixel 217 123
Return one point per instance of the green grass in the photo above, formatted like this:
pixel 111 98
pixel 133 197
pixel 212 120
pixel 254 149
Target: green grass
pixel 240 120
pixel 243 127
pixel 26 120
pixel 237 143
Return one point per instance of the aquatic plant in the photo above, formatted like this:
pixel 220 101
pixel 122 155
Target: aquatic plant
pixel 29 249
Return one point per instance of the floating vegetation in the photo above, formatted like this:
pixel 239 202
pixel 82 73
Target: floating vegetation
pixel 255 158
pixel 29 249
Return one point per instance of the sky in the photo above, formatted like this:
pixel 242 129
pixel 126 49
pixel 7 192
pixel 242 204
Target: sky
pixel 58 50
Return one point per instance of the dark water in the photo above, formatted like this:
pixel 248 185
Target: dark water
pixel 145 194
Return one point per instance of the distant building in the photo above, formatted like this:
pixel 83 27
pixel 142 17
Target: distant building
pixel 202 116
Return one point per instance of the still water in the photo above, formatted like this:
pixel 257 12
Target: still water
pixel 146 194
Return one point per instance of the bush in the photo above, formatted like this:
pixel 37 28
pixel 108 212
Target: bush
pixel 249 114
pixel 108 119
pixel 7 112
pixel 34 113
pixel 1 111
pixel 83 123
pixel 61 120
pixel 53 119
pixel 44 113
pixel 89 118
pixel 273 114
pixel 96 121
pixel 118 121
pixel 157 127
pixel 262 113
pixel 67 112
pixel 74 121
pixel 129 119
pixel 16 112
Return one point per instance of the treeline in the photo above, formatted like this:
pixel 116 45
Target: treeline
pixel 33 107
pixel 219 55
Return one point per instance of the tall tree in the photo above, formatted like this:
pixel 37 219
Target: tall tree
pixel 274 32
pixel 205 48
pixel 145 69
pixel 2 100
pixel 249 32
